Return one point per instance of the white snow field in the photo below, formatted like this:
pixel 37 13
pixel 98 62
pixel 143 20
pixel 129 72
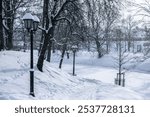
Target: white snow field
pixel 94 80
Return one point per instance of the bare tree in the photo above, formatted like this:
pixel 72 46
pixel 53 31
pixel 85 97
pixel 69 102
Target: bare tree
pixel 72 35
pixel 121 56
pixel 62 38
pixel 55 16
pixel 10 8
pixel 130 24
pixel 101 14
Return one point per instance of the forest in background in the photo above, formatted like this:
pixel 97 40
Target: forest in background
pixel 92 25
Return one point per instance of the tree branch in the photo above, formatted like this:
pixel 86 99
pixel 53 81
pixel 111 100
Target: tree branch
pixel 63 18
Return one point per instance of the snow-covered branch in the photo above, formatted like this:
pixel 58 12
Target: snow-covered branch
pixel 43 29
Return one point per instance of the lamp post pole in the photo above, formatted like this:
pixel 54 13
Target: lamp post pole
pixel 74 49
pixel 31 24
pixel 74 52
pixel 31 66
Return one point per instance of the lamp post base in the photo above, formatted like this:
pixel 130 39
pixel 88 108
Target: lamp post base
pixel 74 74
pixel 32 94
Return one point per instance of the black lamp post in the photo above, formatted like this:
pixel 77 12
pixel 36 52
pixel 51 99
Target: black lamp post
pixel 31 24
pixel 74 49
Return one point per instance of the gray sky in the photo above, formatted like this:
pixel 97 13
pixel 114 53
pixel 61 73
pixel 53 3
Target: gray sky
pixel 132 10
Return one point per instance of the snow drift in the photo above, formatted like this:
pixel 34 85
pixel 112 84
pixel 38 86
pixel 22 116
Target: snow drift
pixel 53 83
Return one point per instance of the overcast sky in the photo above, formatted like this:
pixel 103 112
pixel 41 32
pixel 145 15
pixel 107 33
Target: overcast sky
pixel 132 10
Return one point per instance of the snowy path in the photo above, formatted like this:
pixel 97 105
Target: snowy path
pixel 139 82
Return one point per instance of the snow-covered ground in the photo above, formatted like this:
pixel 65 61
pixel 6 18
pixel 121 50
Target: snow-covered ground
pixel 94 80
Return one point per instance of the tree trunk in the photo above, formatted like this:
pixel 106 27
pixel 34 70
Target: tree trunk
pixel 120 62
pixel 9 40
pixel 47 37
pixel 42 53
pixel 133 46
pixel 107 47
pixel 9 22
pixel 1 28
pixel 41 58
pixel 63 54
pixel 129 45
pixel 43 24
pixel 53 47
pixel 49 51
pixel 98 48
pixel 120 57
pixel 67 55
pixel 107 41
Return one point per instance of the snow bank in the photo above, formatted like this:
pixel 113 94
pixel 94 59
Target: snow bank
pixel 144 66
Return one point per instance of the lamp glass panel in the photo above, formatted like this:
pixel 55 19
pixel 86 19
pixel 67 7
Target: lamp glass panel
pixel 28 23
pixel 35 25
pixel 25 23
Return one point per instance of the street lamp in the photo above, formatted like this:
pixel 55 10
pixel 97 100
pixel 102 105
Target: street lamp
pixel 74 49
pixel 35 22
pixel 31 24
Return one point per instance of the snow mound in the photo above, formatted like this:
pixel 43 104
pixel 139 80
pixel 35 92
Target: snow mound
pixel 144 66
pixel 53 83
